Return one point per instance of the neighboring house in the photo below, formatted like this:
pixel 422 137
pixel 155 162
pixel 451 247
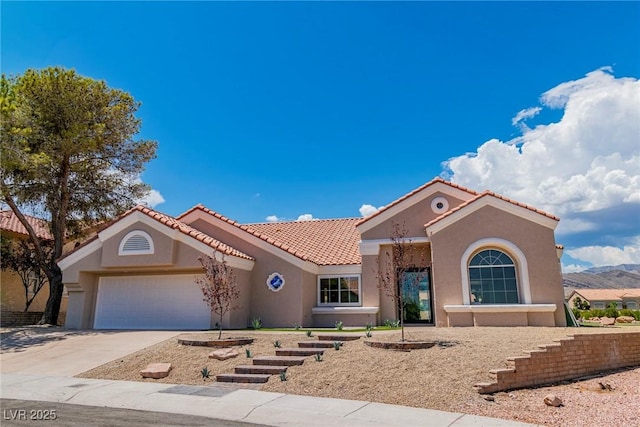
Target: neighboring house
pixel 601 298
pixel 12 291
pixel 490 261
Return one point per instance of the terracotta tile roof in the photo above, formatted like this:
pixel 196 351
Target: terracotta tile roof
pixel 488 193
pixel 176 225
pixel 323 242
pixel 608 294
pixel 10 222
pixel 417 190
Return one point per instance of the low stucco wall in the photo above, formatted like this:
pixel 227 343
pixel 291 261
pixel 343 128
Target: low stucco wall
pixel 573 357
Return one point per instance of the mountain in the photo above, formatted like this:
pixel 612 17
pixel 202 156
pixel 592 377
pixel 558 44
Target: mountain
pixel 633 268
pixel 610 277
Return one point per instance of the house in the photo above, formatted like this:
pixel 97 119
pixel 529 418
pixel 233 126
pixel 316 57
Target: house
pixel 485 260
pixel 12 289
pixel 601 298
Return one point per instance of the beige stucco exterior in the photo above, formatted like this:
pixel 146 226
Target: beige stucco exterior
pixel 445 224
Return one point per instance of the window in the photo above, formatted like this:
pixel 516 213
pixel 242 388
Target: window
pixel 492 278
pixel 136 242
pixel 339 290
pixel 631 305
pixel 599 305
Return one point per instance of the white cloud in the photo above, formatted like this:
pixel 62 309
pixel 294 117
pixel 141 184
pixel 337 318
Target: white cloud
pixel 153 199
pixel 573 268
pixel 366 210
pixel 272 218
pixel 305 217
pixel 608 255
pixel 585 168
pixel 589 160
pixel 524 115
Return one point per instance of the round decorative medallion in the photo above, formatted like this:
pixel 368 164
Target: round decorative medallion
pixel 439 205
pixel 275 281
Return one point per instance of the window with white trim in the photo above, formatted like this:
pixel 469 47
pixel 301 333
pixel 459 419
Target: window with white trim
pixel 631 305
pixel 136 242
pixel 599 305
pixel 492 278
pixel 339 290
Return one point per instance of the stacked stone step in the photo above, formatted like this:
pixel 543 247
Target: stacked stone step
pixel 265 366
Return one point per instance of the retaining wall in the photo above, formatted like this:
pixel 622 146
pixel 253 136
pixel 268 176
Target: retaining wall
pixel 575 356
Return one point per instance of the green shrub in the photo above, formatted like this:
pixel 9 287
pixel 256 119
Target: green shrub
pixel 277 344
pixel 632 313
pixel 611 310
pixel 309 334
pixel 594 312
pixel 256 323
pixel 339 325
pixel 205 373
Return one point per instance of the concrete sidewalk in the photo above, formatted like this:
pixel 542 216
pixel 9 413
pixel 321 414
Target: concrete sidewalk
pixel 227 403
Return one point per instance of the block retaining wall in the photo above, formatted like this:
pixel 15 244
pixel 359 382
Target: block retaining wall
pixel 21 318
pixel 575 356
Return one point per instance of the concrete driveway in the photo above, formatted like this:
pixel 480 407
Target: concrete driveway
pixel 59 352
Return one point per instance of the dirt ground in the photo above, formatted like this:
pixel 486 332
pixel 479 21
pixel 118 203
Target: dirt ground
pixel 441 377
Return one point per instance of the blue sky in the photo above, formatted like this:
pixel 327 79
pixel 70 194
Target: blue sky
pixel 280 109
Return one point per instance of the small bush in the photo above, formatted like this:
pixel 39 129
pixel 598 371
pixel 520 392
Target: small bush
pixel 318 357
pixel 277 344
pixel 632 313
pixel 256 323
pixel 368 333
pixel 339 325
pixel 297 326
pixel 247 352
pixel 369 326
pixel 611 310
pixel 594 312
pixel 337 345
pixel 309 334
pixel 205 373
pixel 283 376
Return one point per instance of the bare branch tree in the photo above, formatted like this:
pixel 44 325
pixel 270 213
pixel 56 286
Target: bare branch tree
pixel 218 286
pixel 18 256
pixel 404 257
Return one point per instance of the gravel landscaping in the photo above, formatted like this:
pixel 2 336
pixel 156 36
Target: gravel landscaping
pixel 441 377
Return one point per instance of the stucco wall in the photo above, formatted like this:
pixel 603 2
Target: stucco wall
pixel 535 241
pixel 13 298
pixel 163 249
pixel 275 309
pixel 414 218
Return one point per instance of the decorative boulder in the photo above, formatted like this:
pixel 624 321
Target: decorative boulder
pixel 552 400
pixel 156 370
pixel 607 321
pixel 625 319
pixel 223 354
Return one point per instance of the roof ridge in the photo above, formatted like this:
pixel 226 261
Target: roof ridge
pixel 416 191
pixel 492 194
pixel 306 220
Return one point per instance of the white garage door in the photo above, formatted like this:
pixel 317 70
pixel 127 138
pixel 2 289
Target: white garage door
pixel 150 302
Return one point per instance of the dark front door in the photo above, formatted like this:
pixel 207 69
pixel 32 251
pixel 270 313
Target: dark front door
pixel 416 288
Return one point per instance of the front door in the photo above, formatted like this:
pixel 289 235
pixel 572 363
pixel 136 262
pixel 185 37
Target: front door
pixel 416 289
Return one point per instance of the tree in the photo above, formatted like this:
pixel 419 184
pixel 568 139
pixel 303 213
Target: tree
pixel 68 154
pixel 18 256
pixel 402 258
pixel 218 286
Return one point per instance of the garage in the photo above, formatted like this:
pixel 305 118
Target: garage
pixel 150 302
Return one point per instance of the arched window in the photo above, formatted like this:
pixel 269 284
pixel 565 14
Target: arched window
pixel 136 242
pixel 492 278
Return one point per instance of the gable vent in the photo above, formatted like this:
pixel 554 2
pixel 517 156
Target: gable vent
pixel 136 243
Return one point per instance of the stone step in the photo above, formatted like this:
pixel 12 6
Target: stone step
pixel 316 344
pixel 278 360
pixel 243 378
pixel 299 351
pixel 260 369
pixel 338 337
